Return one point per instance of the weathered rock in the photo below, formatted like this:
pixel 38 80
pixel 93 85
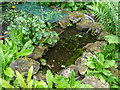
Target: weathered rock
pixel 84 24
pixel 39 77
pixel 82 68
pixel 37 52
pixel 67 71
pixel 24 64
pixel 64 22
pixel 114 71
pixel 94 82
pixel 102 35
pixel 75 16
pixel 58 30
pixel 97 46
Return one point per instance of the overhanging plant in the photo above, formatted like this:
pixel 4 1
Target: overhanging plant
pixel 34 29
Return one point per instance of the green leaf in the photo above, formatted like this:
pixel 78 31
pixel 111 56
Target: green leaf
pixel 41 84
pixel 21 80
pixel 101 58
pixel 13 35
pixel 86 86
pixel 26 44
pixel 72 79
pixel 9 72
pixel 63 5
pixel 29 81
pixel 106 72
pixel 49 78
pixel 5 84
pixel 102 79
pixel 24 52
pixel 112 39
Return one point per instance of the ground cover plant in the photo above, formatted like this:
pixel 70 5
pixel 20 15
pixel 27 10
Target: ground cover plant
pixel 27 31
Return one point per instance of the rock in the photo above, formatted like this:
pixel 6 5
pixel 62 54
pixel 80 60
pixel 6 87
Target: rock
pixel 84 24
pixel 102 35
pixel 94 82
pixel 67 71
pixel 37 52
pixel 58 30
pixel 114 71
pixel 96 28
pixel 24 64
pixel 82 68
pixel 75 16
pixel 39 77
pixel 64 22
pixel 95 47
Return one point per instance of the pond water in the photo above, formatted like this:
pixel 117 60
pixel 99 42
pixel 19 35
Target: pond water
pixel 68 49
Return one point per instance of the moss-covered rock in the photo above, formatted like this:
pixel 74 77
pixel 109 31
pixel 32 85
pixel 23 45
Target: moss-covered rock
pixel 24 64
pixel 95 47
pixel 37 52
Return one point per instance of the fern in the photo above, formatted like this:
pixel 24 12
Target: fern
pixel 107 14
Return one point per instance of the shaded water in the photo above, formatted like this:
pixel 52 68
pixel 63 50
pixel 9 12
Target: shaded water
pixel 68 49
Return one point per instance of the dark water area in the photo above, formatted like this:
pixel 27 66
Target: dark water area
pixel 68 49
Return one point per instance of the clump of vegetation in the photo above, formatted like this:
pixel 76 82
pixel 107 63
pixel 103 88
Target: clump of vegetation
pixel 107 14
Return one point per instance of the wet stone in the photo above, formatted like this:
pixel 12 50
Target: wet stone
pixel 67 71
pixel 94 82
pixel 24 64
pixel 58 30
pixel 102 35
pixel 95 47
pixel 37 52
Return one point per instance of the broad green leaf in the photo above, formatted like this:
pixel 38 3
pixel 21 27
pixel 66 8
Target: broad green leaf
pixel 26 44
pixel 20 80
pixel 24 52
pixel 41 84
pixel 106 72
pixel 101 58
pixel 49 78
pixel 9 72
pixel 112 39
pixel 29 81
pixel 72 79
pixel 5 84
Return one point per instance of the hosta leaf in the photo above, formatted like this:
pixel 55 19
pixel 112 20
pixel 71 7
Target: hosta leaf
pixel 41 84
pixel 29 81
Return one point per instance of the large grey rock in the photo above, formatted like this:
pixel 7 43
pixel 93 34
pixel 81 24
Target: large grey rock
pixel 97 46
pixel 94 82
pixel 67 71
pixel 24 64
pixel 82 68
pixel 37 52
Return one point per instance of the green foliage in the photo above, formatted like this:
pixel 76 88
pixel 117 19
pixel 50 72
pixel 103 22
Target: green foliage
pixel 34 29
pixel 60 81
pixel 70 5
pixel 112 39
pixel 98 67
pixel 107 14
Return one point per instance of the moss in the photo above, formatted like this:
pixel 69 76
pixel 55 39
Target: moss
pixel 78 52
